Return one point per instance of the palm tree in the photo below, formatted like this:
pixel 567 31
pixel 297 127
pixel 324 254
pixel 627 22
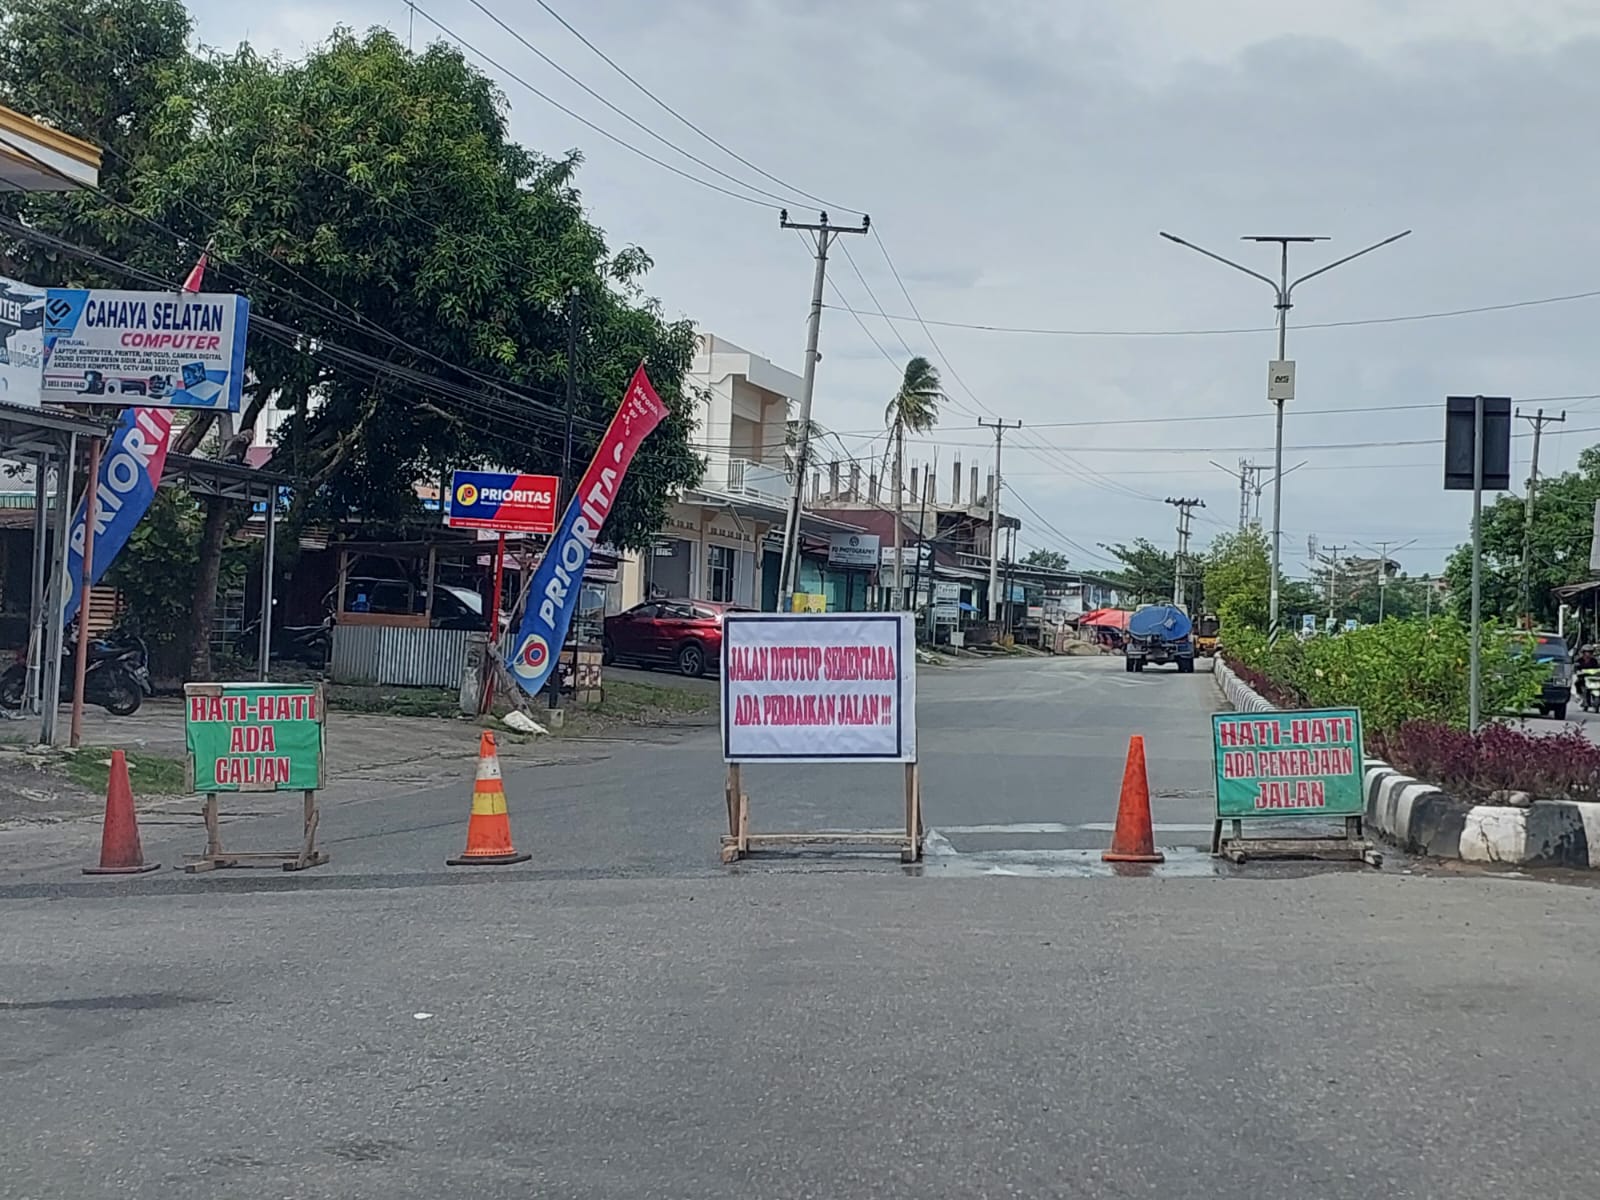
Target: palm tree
pixel 915 407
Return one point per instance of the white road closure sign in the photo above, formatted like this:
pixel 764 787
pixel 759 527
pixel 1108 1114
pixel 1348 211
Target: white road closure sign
pixel 833 687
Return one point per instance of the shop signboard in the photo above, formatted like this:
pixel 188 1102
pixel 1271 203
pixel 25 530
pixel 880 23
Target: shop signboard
pixel 150 349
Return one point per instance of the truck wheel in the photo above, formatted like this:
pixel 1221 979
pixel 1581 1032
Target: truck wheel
pixel 1127 665
pixel 1559 711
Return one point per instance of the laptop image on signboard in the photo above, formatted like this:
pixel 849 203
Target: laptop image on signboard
pixel 196 383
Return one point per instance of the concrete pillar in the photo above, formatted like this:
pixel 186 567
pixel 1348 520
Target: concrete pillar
pixel 973 496
pixel 955 484
pixel 914 492
pixel 855 481
pixel 833 479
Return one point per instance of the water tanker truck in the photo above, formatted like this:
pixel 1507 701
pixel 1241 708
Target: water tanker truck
pixel 1159 633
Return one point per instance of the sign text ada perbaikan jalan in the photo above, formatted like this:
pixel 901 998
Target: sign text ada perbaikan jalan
pixel 816 664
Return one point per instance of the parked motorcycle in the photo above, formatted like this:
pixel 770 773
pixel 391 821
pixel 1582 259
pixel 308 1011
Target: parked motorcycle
pixel 308 644
pixel 117 676
pixel 1588 681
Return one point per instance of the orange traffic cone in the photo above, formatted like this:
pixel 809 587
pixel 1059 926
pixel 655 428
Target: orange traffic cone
pixel 488 829
pixel 120 851
pixel 1134 841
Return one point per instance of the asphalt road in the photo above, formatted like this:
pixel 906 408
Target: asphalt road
pixel 624 1018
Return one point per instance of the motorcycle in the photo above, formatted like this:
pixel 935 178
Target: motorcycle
pixel 116 677
pixel 1588 681
pixel 308 644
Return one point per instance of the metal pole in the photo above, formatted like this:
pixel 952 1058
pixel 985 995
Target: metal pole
pixel 268 567
pixel 994 526
pixel 55 606
pixel 553 690
pixel 91 486
pixel 499 584
pixel 1284 292
pixel 790 568
pixel 1538 422
pixel 1477 561
pixel 39 580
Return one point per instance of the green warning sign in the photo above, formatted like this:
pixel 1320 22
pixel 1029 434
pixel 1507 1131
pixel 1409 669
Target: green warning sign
pixel 1288 764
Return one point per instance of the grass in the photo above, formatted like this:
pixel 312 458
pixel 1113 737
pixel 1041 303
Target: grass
pixel 150 774
pixel 394 702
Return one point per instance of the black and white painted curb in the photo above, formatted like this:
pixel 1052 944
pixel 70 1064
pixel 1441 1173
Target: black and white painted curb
pixel 1421 819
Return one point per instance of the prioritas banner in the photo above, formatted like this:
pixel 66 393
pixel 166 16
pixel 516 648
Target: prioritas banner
pixel 553 595
pixel 130 470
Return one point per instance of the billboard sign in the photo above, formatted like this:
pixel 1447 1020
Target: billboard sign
pixel 1288 764
pixel 853 550
pixel 151 349
pixel 833 687
pixel 21 342
pixel 499 501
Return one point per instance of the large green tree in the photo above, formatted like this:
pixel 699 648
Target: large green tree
pixel 1563 527
pixel 1039 557
pixel 1146 573
pixel 1238 577
pixel 914 408
pixel 370 199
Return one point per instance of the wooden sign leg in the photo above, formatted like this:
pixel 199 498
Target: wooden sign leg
pixel 913 850
pixel 733 794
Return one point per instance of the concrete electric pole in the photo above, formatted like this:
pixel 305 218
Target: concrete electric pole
pixel 1538 421
pixel 1382 551
pixel 1333 577
pixel 1280 372
pixel 999 426
pixel 789 569
pixel 1185 515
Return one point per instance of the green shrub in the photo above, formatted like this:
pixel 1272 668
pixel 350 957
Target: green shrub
pixel 1398 671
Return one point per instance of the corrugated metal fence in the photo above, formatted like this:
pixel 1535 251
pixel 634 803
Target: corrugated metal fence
pixel 401 657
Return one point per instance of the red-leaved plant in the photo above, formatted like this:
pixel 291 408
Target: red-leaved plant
pixel 1563 766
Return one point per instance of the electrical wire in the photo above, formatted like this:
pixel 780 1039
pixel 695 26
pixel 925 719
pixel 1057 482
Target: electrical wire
pixel 1443 314
pixel 667 108
pixel 584 121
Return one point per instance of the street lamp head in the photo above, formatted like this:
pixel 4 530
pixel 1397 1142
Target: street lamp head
pixel 1278 237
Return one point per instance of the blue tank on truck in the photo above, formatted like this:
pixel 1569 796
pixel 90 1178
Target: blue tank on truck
pixel 1159 633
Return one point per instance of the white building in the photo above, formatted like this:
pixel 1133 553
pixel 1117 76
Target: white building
pixel 722 540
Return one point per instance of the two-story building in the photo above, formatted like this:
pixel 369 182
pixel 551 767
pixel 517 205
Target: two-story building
pixel 723 539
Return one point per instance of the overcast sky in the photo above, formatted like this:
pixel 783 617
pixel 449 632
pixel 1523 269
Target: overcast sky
pixel 1019 157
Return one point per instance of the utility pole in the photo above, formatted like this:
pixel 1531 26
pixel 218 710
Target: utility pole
pixel 1538 421
pixel 999 426
pixel 1280 373
pixel 1382 551
pixel 567 488
pixel 825 233
pixel 1185 515
pixel 1333 577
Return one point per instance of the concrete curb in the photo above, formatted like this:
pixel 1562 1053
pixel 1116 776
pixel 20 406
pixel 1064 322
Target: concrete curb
pixel 1421 819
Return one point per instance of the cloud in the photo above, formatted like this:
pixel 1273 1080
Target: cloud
pixel 1018 159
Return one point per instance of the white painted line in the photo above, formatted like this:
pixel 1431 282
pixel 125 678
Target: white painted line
pixel 1024 827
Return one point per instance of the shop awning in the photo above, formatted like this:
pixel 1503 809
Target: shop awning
pixel 1106 618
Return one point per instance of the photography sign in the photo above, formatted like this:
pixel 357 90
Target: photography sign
pixel 145 349
pixel 853 550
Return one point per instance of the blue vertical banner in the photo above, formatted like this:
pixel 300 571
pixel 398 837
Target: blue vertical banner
pixel 130 471
pixel 553 595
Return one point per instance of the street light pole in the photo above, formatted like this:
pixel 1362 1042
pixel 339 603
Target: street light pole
pixel 1283 292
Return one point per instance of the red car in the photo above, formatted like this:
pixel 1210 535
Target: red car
pixel 684 634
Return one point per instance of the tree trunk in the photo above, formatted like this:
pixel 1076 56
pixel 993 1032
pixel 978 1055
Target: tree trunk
pixel 214 535
pixel 204 611
pixel 899 512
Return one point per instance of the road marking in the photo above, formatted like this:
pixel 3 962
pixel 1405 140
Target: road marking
pixel 1039 827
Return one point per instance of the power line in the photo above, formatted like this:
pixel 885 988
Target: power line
pixel 667 108
pixel 1442 314
pixel 584 121
pixel 634 121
